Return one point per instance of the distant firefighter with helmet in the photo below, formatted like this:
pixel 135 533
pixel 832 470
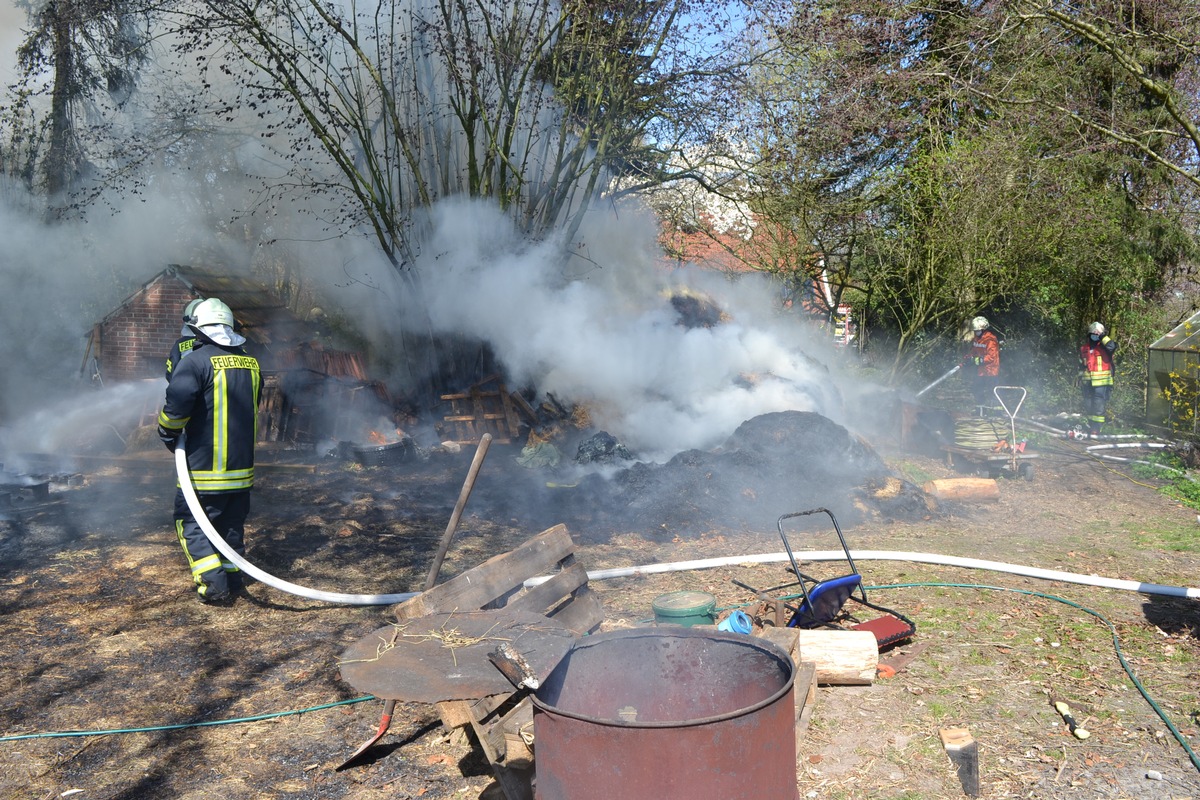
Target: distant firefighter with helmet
pixel 1096 375
pixel 983 355
pixel 212 400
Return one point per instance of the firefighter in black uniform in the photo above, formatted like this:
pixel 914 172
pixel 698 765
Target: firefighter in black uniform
pixel 212 399
pixel 186 341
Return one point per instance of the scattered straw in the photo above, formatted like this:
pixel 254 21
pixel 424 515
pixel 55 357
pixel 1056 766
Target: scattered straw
pixel 451 638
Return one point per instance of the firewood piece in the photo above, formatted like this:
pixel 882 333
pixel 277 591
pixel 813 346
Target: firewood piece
pixel 842 657
pixel 963 753
pixel 964 490
pixel 513 666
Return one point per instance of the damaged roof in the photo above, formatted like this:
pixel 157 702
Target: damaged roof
pixel 262 317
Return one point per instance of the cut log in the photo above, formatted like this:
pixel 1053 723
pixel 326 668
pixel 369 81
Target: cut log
pixel 964 490
pixel 842 657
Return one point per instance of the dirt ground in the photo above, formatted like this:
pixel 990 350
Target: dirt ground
pixel 164 697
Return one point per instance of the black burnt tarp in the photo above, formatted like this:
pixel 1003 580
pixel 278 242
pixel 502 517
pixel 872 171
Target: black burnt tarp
pixel 601 448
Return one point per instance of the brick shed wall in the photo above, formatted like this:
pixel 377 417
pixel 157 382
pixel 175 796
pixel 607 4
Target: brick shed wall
pixel 134 342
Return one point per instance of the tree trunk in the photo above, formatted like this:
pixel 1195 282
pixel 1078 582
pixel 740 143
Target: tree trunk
pixel 57 164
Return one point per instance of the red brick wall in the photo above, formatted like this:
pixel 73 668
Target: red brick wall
pixel 134 342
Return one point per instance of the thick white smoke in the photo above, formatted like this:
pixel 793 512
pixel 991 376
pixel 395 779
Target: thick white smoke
pixel 589 321
pixel 596 326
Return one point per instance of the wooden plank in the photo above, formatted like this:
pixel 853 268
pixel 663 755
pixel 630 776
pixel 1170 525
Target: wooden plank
pixel 583 614
pixel 524 408
pixel 513 733
pixel 544 596
pixel 455 713
pixel 517 752
pixel 787 638
pixel 517 784
pixel 510 414
pixel 806 696
pixel 471 395
pixel 500 574
pixel 504 740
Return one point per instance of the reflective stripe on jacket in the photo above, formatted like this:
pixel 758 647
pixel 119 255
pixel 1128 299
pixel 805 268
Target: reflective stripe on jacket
pixel 1097 361
pixel 213 397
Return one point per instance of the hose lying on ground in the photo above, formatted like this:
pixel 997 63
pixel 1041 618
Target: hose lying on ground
pixel 193 503
pixel 1063 432
pixel 888 555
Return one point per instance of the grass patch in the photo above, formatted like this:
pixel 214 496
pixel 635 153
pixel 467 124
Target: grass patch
pixel 938 709
pixel 1185 490
pixel 1179 484
pixel 914 473
pixel 1171 535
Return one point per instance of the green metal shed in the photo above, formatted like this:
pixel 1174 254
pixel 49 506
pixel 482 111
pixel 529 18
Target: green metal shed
pixel 1177 352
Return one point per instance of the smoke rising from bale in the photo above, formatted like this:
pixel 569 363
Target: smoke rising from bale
pixel 588 320
pixel 592 322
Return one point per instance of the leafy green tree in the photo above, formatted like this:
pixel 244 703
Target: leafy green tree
pixel 1126 72
pixel 911 143
pixel 375 111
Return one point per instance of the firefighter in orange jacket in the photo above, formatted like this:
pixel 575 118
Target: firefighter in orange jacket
pixel 984 356
pixel 1096 377
pixel 212 397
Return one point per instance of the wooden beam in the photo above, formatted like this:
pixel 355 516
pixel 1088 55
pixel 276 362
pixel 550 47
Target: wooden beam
pixel 964 490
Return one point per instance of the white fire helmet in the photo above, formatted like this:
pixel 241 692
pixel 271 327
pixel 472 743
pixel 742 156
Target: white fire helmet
pixel 1096 328
pixel 980 324
pixel 212 312
pixel 190 311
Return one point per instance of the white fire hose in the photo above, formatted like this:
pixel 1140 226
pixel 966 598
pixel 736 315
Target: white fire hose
pixel 193 502
pixel 889 555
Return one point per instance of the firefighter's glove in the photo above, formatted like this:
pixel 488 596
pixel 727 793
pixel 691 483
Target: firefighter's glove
pixel 168 437
pixel 977 360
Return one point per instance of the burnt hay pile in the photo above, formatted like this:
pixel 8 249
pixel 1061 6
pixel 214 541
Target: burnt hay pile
pixel 771 465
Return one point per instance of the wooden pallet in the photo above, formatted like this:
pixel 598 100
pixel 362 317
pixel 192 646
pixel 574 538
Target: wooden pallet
pixel 486 407
pixel 503 724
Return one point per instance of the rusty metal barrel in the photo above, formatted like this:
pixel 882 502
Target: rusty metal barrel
pixel 668 713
